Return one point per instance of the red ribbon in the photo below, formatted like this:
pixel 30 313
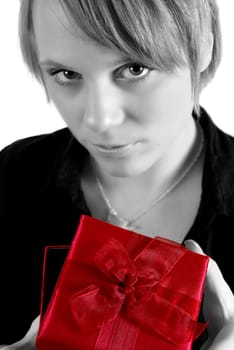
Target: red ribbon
pixel 132 288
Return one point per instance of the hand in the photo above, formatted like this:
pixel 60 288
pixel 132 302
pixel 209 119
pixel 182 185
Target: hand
pixel 218 306
pixel 28 342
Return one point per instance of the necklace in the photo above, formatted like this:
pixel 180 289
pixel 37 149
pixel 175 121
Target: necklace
pixel 115 218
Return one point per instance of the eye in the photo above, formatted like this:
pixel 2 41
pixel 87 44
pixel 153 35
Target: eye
pixel 65 77
pixel 134 72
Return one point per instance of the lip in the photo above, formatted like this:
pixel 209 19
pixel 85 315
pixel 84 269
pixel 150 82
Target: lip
pixel 115 149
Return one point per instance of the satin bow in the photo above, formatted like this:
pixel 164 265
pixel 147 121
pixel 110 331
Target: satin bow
pixel 132 288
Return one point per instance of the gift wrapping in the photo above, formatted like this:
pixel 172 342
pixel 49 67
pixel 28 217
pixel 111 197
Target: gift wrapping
pixel 121 290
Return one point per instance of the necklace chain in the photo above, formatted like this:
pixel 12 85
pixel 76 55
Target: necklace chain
pixel 114 217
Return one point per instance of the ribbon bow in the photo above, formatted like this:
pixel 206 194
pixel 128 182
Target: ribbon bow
pixel 132 288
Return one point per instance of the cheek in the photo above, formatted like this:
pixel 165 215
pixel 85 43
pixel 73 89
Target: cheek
pixel 172 101
pixel 177 100
pixel 68 106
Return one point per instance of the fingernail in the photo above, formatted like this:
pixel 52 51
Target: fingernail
pixel 193 245
pixel 189 243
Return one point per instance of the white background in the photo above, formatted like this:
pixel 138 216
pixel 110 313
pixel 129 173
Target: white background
pixel 24 109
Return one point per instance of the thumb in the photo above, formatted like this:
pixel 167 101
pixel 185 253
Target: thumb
pixel 218 300
pixel 214 281
pixel 193 246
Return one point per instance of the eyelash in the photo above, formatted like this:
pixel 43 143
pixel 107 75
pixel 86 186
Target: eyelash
pixel 54 73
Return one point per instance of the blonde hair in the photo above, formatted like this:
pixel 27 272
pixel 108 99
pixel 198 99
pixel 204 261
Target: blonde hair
pixel 163 34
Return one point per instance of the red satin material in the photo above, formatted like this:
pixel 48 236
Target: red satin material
pixel 122 290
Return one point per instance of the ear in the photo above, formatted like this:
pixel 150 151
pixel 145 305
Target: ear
pixel 206 52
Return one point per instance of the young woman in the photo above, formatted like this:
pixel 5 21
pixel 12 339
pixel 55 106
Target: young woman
pixel 139 150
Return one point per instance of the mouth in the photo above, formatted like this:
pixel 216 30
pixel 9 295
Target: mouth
pixel 110 149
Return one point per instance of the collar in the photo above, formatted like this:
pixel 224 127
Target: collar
pixel 218 171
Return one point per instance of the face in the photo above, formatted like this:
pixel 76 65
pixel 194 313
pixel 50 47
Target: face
pixel 128 116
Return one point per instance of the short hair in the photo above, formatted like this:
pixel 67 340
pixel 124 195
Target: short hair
pixel 163 34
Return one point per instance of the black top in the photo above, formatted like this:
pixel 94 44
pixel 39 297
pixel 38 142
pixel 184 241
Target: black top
pixel 41 202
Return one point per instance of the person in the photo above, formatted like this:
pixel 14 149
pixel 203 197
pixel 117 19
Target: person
pixel 139 150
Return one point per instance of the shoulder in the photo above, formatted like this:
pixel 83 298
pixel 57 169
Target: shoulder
pixel 33 155
pixel 218 171
pixel 31 166
pixel 219 142
pixel 42 146
pixel 28 220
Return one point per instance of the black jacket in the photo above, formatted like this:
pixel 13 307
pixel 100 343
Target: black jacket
pixel 41 202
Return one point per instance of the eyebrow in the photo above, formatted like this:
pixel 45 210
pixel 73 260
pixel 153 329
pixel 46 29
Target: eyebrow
pixel 53 63
pixel 50 63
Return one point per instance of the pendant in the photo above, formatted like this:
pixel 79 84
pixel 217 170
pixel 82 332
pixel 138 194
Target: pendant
pixel 115 219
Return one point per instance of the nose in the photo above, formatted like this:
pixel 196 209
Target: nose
pixel 103 110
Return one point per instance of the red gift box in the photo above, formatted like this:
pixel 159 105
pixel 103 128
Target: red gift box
pixel 121 290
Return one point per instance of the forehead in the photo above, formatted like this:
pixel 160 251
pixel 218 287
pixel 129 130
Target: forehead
pixel 59 40
pixel 52 28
